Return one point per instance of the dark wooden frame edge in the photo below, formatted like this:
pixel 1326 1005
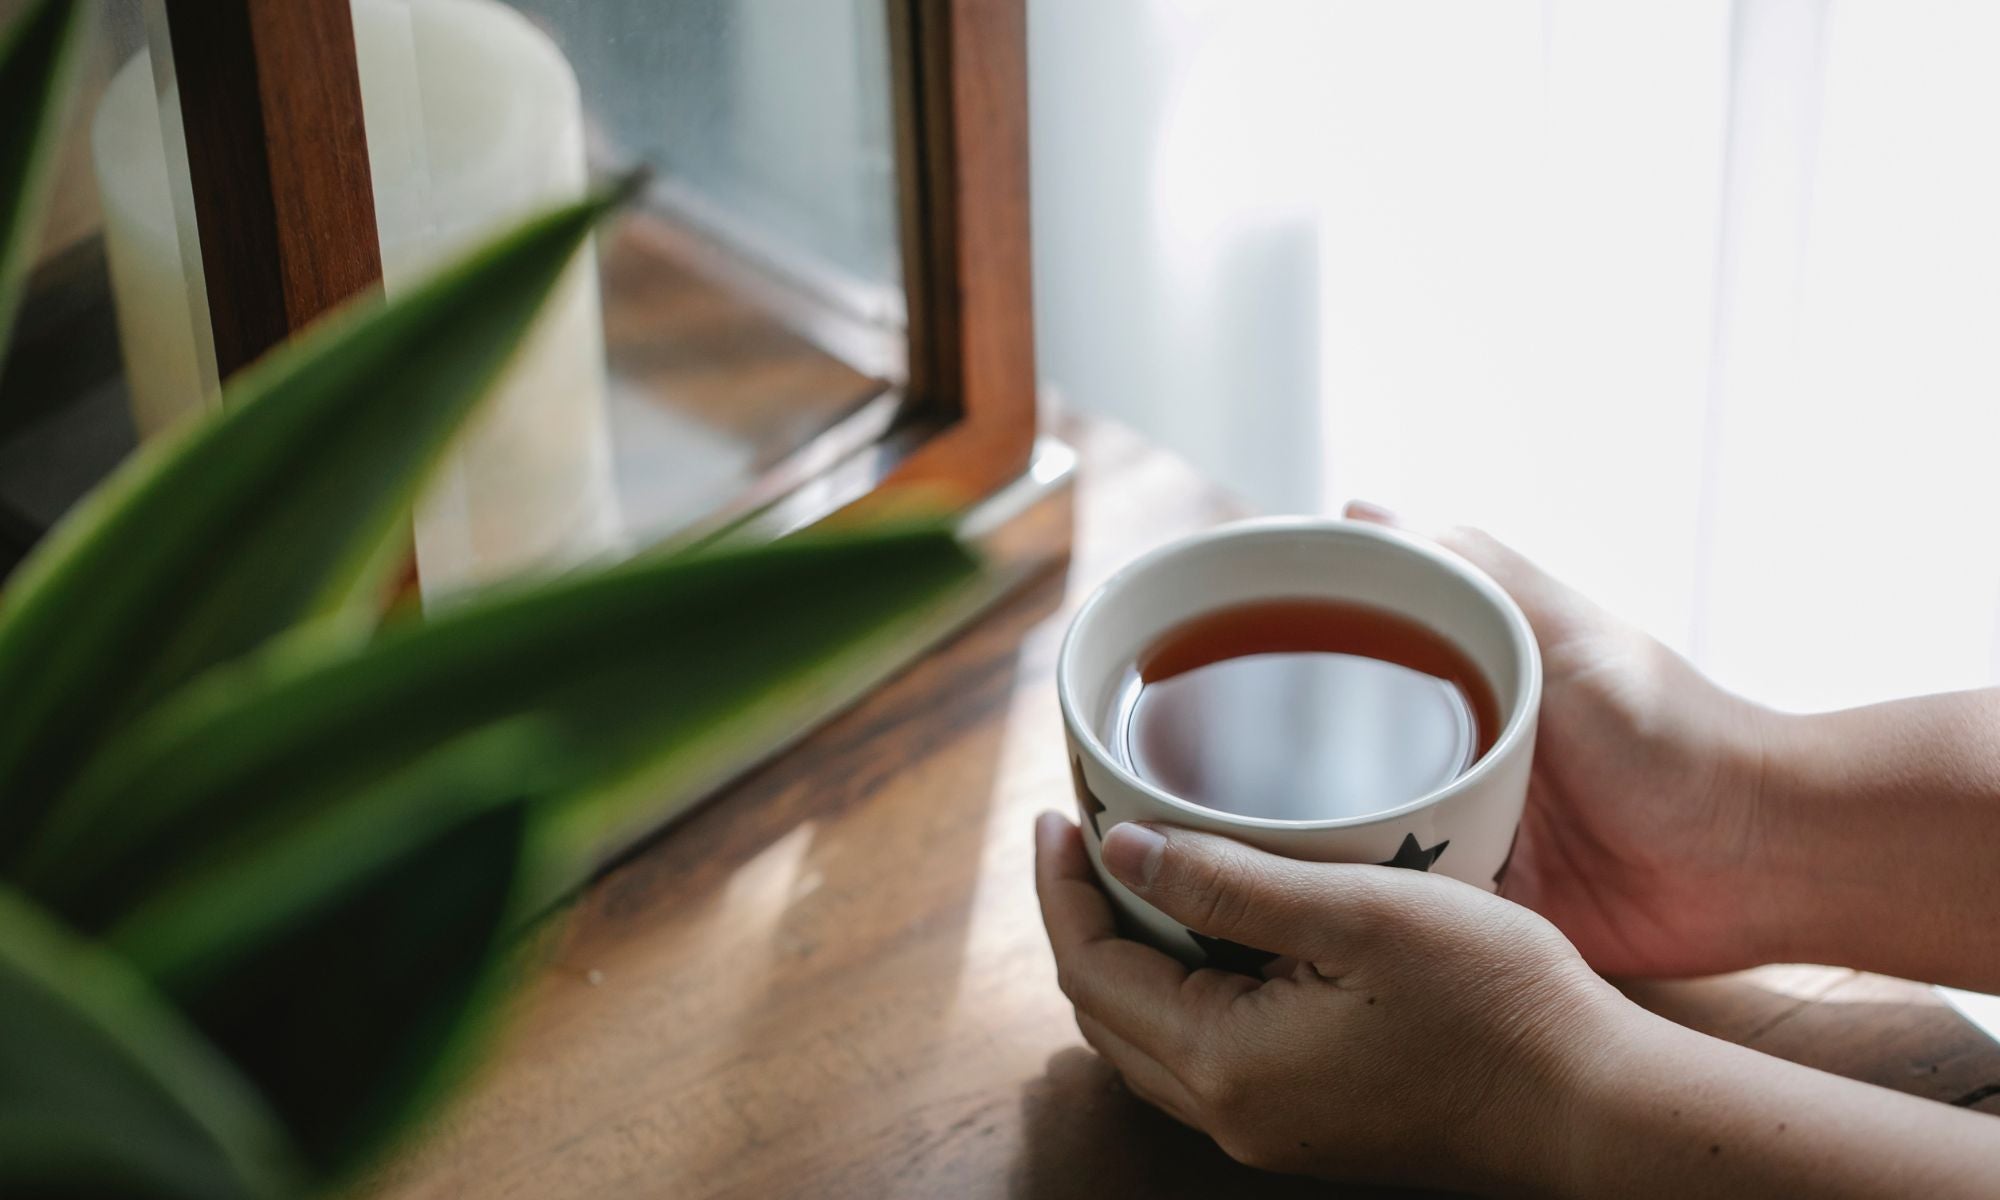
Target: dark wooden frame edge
pixel 277 154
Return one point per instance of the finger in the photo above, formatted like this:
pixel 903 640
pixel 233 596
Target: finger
pixel 1143 995
pixel 1075 909
pixel 1552 607
pixel 1508 567
pixel 1319 912
pixel 1282 967
pixel 1144 1075
pixel 1373 513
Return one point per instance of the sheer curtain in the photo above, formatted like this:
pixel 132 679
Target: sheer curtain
pixel 1697 301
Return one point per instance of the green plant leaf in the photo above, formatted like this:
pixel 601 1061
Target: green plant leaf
pixel 106 1091
pixel 194 928
pixel 278 509
pixel 630 666
pixel 348 962
pixel 38 54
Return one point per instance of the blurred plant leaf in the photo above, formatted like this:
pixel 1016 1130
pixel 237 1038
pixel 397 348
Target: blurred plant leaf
pixel 195 926
pixel 627 666
pixel 38 55
pixel 105 1091
pixel 348 962
pixel 281 508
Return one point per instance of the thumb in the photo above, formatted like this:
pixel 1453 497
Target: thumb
pixel 1219 887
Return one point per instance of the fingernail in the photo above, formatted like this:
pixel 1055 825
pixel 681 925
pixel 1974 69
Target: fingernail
pixel 1368 510
pixel 1132 853
pixel 1048 827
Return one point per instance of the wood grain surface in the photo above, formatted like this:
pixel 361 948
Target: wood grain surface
pixel 832 982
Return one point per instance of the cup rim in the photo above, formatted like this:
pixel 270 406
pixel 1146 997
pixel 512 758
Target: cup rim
pixel 1527 692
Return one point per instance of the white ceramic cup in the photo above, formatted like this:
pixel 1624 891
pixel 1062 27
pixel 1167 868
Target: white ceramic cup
pixel 1464 829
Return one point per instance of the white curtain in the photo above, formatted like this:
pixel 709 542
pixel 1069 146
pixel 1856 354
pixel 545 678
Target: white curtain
pixel 1697 301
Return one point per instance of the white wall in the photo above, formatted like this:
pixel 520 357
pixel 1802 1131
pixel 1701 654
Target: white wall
pixel 1690 300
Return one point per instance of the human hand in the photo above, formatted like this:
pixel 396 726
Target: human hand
pixel 1421 1031
pixel 1645 823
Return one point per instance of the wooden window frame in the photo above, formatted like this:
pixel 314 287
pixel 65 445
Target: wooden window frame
pixel 277 159
pixel 972 337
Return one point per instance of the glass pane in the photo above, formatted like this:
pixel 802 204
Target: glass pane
pixel 745 320
pixel 774 113
pixel 65 416
pixel 750 309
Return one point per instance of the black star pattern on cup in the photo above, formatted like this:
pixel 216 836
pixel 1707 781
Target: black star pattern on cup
pixel 1509 860
pixel 1225 955
pixel 1413 857
pixel 1086 800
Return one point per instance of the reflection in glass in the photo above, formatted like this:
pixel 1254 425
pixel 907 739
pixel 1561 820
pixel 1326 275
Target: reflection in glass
pixel 752 305
pixel 750 310
pixel 474 122
pixel 772 114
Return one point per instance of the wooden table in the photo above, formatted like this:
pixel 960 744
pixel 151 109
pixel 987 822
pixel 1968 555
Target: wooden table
pixel 832 982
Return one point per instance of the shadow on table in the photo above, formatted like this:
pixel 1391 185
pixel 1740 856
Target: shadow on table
pixel 1085 1136
pixel 744 999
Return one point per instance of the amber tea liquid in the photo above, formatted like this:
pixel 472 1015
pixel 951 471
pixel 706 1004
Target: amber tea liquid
pixel 1302 710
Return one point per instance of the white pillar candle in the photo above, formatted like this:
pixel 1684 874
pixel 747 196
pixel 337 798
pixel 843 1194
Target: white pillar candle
pixel 474 121
pixel 168 372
